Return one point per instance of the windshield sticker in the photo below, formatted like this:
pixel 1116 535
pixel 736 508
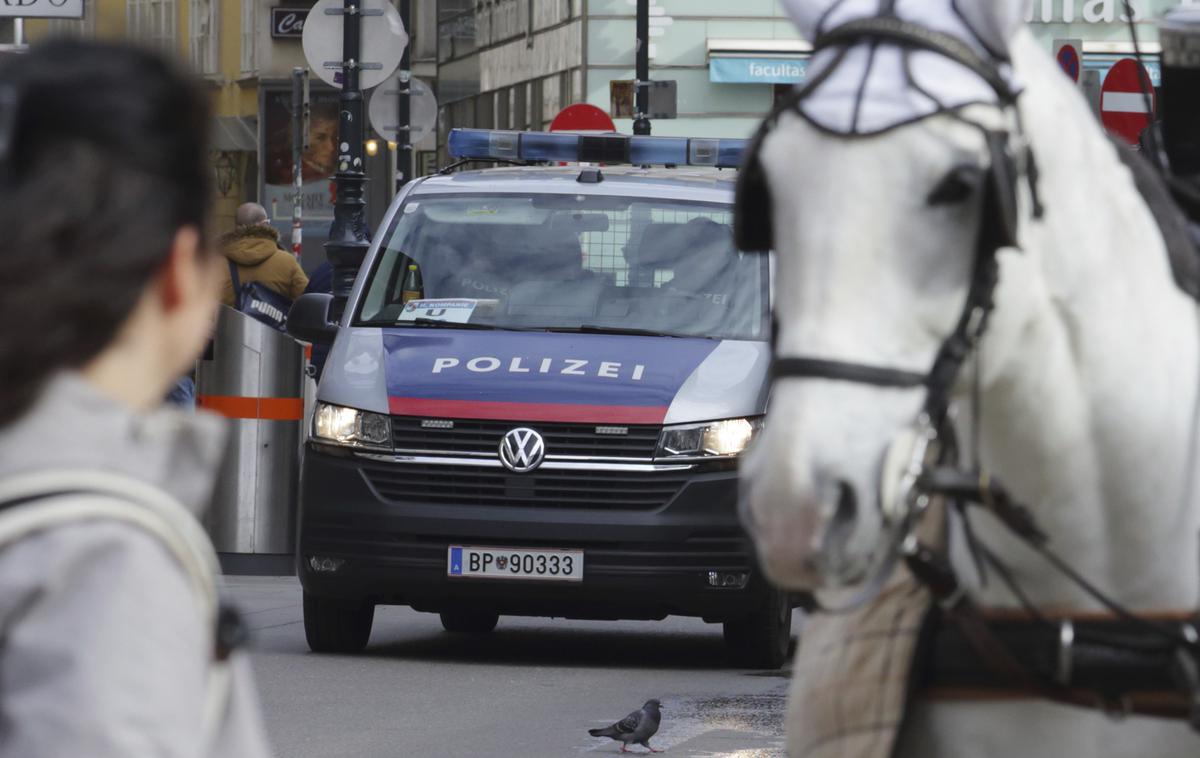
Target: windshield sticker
pixel 411 207
pixel 451 311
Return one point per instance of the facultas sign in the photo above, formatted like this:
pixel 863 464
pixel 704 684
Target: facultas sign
pixel 1097 11
pixel 288 23
pixel 41 8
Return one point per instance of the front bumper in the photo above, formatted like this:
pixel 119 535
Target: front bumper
pixel 639 562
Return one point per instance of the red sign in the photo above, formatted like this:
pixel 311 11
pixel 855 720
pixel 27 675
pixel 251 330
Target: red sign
pixel 1068 58
pixel 582 117
pixel 1123 106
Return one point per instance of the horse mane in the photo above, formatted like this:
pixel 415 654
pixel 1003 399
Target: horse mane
pixel 1079 166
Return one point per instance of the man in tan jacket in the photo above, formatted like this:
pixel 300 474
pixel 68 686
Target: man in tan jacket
pixel 252 245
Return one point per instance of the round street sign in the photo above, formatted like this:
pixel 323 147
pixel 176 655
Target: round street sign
pixel 384 110
pixel 1122 102
pixel 1068 59
pixel 582 117
pixel 383 41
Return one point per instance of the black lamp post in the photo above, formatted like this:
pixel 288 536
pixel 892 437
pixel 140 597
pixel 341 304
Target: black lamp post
pixel 641 124
pixel 348 242
pixel 404 146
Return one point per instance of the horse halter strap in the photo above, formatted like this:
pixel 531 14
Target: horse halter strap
pixel 996 230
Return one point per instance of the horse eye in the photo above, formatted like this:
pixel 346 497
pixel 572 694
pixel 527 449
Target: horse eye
pixel 956 186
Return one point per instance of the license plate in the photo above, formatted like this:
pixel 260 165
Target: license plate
pixel 515 563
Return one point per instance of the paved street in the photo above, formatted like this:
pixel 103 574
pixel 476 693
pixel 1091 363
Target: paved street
pixel 532 688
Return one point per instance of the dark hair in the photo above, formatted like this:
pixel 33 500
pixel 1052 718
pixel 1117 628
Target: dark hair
pixel 106 160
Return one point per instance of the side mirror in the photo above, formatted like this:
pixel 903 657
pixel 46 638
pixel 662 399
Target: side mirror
pixel 308 320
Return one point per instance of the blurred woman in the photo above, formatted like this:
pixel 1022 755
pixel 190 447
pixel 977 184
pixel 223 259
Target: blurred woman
pixel 111 644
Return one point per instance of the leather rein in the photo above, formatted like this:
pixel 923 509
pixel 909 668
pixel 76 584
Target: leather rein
pixel 1125 663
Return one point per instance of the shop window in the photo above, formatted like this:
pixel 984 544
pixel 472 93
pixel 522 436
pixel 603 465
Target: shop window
pixel 780 91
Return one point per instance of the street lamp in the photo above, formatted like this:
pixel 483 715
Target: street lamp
pixel 348 243
pixel 225 173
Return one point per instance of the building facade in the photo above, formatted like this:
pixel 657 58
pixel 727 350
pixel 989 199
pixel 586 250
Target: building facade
pixel 245 51
pixel 513 64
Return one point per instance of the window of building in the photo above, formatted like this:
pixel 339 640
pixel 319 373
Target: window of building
pixel 504 109
pixel 485 111
pixel 75 27
pixel 249 37
pixel 152 21
pixel 204 33
pixel 456 29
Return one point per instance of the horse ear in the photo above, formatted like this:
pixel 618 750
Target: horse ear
pixel 956 186
pixel 807 14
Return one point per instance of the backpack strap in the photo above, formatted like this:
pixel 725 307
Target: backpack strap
pixel 234 278
pixel 35 502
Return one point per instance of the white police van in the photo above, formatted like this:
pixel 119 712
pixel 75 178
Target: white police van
pixel 537 396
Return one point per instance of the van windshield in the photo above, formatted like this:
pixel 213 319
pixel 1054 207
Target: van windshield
pixel 575 263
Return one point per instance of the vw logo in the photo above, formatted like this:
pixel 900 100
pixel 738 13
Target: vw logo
pixel 522 450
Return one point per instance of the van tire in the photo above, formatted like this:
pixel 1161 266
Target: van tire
pixel 334 625
pixel 762 639
pixel 469 622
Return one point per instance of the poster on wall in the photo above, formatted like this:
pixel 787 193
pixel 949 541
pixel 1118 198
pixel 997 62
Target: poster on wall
pixel 318 166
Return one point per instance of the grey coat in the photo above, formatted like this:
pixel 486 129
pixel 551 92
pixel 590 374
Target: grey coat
pixel 104 650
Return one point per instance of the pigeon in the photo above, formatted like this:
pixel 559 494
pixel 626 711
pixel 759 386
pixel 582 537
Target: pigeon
pixel 637 728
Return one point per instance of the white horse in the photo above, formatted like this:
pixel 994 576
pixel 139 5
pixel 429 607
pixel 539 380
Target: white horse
pixel 1090 367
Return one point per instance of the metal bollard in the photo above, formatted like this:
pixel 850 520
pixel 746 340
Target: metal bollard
pixel 254 375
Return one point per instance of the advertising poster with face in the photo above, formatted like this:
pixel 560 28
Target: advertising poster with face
pixel 318 166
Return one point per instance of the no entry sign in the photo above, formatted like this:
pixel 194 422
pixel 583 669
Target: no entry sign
pixel 1123 106
pixel 582 117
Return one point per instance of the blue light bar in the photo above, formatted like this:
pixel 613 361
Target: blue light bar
pixel 609 149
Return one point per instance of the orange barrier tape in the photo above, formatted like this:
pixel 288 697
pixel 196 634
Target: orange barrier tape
pixel 265 408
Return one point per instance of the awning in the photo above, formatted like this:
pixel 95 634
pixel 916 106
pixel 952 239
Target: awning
pixel 1101 56
pixel 235 134
pixel 757 61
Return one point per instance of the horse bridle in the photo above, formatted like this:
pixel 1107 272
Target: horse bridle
pixel 930 473
pixel 997 228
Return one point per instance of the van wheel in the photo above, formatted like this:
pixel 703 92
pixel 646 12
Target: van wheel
pixel 337 626
pixel 469 622
pixel 762 639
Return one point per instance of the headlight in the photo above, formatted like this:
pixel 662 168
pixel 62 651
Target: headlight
pixel 717 438
pixel 347 426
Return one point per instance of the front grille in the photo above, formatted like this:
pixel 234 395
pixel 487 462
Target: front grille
pixel 472 485
pixel 561 439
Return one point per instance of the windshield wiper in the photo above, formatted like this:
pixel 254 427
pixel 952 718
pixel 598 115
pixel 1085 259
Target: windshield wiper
pixel 598 329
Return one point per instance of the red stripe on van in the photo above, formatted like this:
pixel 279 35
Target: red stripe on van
pixel 569 412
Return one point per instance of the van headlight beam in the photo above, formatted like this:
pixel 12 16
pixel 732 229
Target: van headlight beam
pixel 350 427
pixel 713 439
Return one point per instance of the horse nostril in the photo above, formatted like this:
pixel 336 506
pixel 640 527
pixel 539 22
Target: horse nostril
pixel 842 522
